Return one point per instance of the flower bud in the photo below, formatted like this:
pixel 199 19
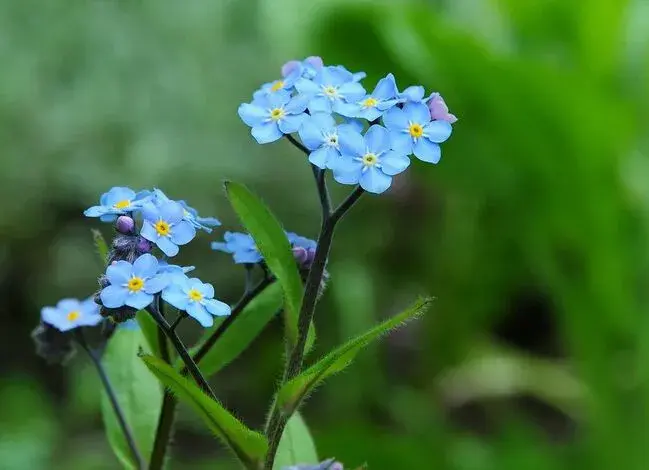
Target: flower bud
pixel 144 246
pixel 125 225
pixel 301 255
pixel 52 345
pixel 439 110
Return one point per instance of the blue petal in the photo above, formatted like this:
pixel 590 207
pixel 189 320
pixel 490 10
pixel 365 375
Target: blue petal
pixel 156 284
pixel 413 93
pixel 53 316
pixel 278 99
pixel 385 105
pixel 358 76
pixel 417 112
pixel 297 105
pixel 145 266
pixel 139 300
pixel 371 114
pixel 113 296
pixel 218 308
pixel 427 151
pixel 167 246
pixel 171 212
pixel 198 312
pixel 118 194
pixel 323 156
pixel 207 290
pixel 351 143
pixel 266 133
pixel 119 273
pixel 375 181
pixel 377 139
pixel 311 133
pixel 352 91
pixel 150 212
pixel 438 131
pixel 291 123
pixel 350 110
pixel 324 121
pixel 209 221
pixel 401 142
pixel 354 124
pixel 252 115
pixel 220 246
pixel 347 178
pixel 250 256
pixel 182 233
pixel 95 211
pixel 395 119
pixel 174 295
pixel 68 305
pixel 386 88
pixel 320 104
pixel 335 76
pixel 306 87
pixel 393 163
pixel 149 232
pixel 348 165
pixel 89 306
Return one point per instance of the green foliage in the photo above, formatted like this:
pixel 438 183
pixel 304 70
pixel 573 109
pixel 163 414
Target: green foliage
pixel 249 446
pixel 150 331
pixel 296 445
pixel 294 391
pixel 138 394
pixel 100 245
pixel 242 332
pixel 274 246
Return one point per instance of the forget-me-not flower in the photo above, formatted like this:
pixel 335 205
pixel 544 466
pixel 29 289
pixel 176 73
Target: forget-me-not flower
pixel 373 106
pixel 286 83
pixel 72 313
pixel 117 201
pixel 274 115
pixel 439 110
pixel 412 131
pixel 303 249
pixel 330 88
pixel 369 160
pixel 158 197
pixel 319 134
pixel 306 68
pixel 196 298
pixel 241 245
pixel 164 225
pixel 134 284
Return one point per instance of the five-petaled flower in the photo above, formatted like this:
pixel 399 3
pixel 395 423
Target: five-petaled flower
pixel 72 313
pixel 164 225
pixel 196 298
pixel 134 284
pixel 274 115
pixel 330 89
pixel 412 131
pixel 369 160
pixel 117 201
pixel 319 133
pixel 372 106
pixel 241 245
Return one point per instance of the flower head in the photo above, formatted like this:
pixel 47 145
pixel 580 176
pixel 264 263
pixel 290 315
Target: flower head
pixel 241 245
pixel 164 225
pixel 439 110
pixel 117 201
pixel 286 83
pixel 330 89
pixel 412 131
pixel 369 160
pixel 303 249
pixel 274 115
pixel 306 68
pixel 196 298
pixel 134 284
pixel 319 133
pixel 372 106
pixel 158 198
pixel 72 313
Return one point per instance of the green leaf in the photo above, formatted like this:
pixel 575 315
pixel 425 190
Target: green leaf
pixel 137 391
pixel 274 246
pixel 295 390
pixel 249 446
pixel 242 332
pixel 150 331
pixel 296 445
pixel 100 245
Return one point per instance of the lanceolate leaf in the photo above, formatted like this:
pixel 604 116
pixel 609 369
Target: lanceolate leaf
pixel 296 445
pixel 138 393
pixel 150 331
pixel 242 332
pixel 249 446
pixel 100 245
pixel 276 250
pixel 294 391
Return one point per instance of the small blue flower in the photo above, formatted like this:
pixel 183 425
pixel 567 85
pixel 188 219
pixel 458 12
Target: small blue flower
pixel 368 160
pixel 117 201
pixel 72 313
pixel 329 89
pixel 158 197
pixel 241 245
pixel 412 131
pixel 306 68
pixel 196 298
pixel 299 241
pixel 319 133
pixel 134 284
pixel 372 106
pixel 287 84
pixel 274 115
pixel 164 226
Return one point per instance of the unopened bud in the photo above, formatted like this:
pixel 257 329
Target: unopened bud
pixel 125 225
pixel 144 246
pixel 301 255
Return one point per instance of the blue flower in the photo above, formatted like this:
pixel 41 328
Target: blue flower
pixel 372 106
pixel 196 298
pixel 299 241
pixel 329 89
pixel 303 249
pixel 117 201
pixel 71 313
pixel 286 84
pixel 369 160
pixel 319 133
pixel 412 131
pixel 274 115
pixel 134 284
pixel 158 197
pixel 241 245
pixel 306 68
pixel 164 226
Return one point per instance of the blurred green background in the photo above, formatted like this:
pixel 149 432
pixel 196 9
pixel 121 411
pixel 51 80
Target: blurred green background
pixel 530 232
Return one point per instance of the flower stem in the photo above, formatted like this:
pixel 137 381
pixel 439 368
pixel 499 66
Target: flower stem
pixel 321 182
pixel 128 435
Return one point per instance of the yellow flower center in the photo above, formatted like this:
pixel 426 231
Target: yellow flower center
pixel 277 114
pixel 330 91
pixel 162 228
pixel 278 85
pixel 73 315
pixel 122 204
pixel 370 102
pixel 416 130
pixel 135 284
pixel 370 159
pixel 195 295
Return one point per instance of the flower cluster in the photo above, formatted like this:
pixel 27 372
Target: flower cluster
pixel 326 106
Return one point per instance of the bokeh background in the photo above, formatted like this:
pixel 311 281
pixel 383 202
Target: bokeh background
pixel 531 232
